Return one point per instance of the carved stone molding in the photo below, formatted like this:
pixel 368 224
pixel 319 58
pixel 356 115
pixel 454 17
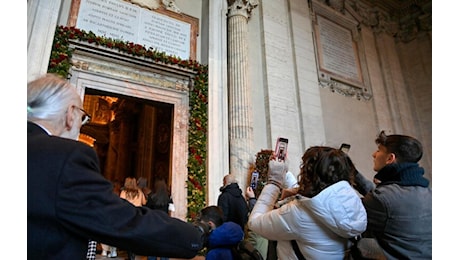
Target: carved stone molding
pixel 101 60
pixel 345 90
pixel 404 22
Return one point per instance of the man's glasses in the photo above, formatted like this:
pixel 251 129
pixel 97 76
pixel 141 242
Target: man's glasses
pixel 85 118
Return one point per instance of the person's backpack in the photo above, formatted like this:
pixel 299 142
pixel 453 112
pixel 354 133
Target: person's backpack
pixel 246 251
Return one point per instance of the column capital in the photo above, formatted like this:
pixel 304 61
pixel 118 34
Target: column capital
pixel 241 7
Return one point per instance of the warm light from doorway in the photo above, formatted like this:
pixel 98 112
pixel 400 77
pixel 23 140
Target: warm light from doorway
pixel 86 139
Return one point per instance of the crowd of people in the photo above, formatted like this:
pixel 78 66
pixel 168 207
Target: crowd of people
pixel 317 215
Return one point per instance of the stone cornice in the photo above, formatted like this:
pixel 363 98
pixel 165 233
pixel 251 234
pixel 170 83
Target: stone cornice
pixel 404 21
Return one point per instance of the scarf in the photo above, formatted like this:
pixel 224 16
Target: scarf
pixel 404 174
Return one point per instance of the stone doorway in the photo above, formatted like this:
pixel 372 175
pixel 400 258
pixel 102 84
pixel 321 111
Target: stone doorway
pixel 132 136
pixel 157 94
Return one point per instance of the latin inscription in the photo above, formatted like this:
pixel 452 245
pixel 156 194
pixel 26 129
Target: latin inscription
pixel 124 21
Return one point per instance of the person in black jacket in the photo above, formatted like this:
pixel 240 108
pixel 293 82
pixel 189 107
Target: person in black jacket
pixel 69 202
pixel 232 202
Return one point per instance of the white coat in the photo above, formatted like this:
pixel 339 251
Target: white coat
pixel 321 225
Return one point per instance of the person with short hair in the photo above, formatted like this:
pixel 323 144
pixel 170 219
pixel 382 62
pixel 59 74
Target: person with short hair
pixel 399 207
pixel 69 202
pixel 232 202
pixel 223 235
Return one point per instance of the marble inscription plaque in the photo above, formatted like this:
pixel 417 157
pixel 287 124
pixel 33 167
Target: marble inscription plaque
pixel 124 21
pixel 337 51
pixel 166 34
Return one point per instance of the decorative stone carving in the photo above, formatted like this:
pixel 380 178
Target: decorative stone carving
pixel 346 90
pixel 241 7
pixel 150 4
pixel 405 24
pixel 171 6
pixel 338 5
pixel 372 17
pixel 155 4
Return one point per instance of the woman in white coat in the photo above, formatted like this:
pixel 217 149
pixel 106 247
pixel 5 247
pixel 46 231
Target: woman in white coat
pixel 321 217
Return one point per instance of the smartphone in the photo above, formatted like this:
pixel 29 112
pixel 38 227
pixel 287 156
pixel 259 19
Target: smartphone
pixel 281 149
pixel 345 147
pixel 254 179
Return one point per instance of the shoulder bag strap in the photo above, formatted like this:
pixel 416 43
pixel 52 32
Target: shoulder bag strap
pixel 297 250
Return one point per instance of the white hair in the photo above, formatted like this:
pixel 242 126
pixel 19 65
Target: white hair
pixel 48 97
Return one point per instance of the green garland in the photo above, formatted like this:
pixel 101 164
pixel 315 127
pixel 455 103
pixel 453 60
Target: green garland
pixel 60 63
pixel 262 160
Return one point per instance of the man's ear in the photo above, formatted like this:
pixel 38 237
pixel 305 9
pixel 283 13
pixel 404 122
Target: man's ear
pixel 212 225
pixel 69 118
pixel 391 158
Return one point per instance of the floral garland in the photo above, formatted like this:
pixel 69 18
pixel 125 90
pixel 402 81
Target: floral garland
pixel 261 166
pixel 60 63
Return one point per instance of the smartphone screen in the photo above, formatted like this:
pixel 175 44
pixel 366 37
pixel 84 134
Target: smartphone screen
pixel 345 147
pixel 281 149
pixel 254 179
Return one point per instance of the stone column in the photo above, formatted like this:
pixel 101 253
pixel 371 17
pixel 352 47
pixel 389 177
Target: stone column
pixel 240 109
pixel 42 17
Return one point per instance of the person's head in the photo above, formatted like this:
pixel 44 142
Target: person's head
pixel 142 182
pixel 396 149
pixel 229 179
pixel 212 216
pixel 116 186
pixel 160 186
pixel 56 105
pixel 323 166
pixel 130 183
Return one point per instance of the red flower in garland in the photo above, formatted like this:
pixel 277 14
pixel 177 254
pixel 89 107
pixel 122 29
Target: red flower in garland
pixel 195 183
pixel 199 159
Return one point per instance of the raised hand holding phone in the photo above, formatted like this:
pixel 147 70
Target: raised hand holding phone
pixel 281 149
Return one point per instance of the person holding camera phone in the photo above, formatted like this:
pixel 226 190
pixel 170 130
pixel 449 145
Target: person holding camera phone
pixel 324 214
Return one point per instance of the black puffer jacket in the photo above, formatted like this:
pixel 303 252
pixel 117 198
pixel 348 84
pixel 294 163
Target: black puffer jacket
pixel 233 205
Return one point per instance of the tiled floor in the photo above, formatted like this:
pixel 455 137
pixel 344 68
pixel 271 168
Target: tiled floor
pixel 121 255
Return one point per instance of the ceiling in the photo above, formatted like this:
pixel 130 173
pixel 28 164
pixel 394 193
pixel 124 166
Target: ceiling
pixel 403 8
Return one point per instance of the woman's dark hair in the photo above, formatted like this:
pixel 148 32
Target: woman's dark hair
pixel 160 197
pixel 405 148
pixel 323 166
pixel 212 213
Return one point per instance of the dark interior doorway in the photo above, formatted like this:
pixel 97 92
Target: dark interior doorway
pixel 132 136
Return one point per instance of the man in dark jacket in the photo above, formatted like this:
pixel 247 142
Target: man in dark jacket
pixel 399 208
pixel 69 202
pixel 232 202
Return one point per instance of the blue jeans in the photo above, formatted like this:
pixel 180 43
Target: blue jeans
pixel 155 258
